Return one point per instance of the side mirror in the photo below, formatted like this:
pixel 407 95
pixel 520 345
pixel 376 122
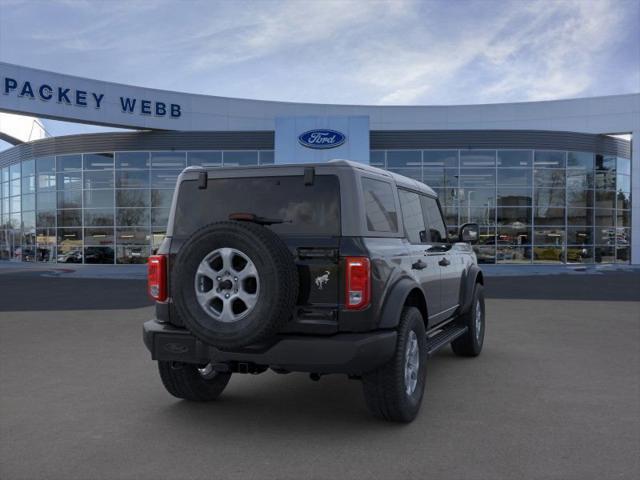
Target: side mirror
pixel 469 233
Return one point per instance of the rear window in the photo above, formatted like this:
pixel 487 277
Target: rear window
pixel 304 209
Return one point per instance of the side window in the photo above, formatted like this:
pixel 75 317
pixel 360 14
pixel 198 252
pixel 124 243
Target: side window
pixel 433 218
pixel 412 216
pixel 380 206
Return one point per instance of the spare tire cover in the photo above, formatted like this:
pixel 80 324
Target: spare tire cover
pixel 234 284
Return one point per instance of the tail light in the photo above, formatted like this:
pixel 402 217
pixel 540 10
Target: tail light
pixel 357 283
pixel 157 277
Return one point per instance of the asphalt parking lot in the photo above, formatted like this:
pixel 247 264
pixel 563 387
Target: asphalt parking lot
pixel 555 394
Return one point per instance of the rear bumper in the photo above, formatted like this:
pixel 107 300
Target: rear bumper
pixel 351 353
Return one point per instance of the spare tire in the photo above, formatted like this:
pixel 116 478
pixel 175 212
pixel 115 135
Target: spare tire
pixel 234 284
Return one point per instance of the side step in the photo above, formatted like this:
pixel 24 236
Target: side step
pixel 443 338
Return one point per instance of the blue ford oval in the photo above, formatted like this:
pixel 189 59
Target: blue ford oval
pixel 322 138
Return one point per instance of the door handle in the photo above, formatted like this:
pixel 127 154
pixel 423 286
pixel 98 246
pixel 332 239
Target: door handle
pixel 419 265
pixel 444 262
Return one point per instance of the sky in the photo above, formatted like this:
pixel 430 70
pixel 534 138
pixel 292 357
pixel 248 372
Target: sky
pixel 396 52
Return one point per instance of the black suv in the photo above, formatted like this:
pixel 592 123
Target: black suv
pixel 324 268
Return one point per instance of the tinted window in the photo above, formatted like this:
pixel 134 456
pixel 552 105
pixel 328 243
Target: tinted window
pixel 433 218
pixel 304 209
pixel 380 206
pixel 412 216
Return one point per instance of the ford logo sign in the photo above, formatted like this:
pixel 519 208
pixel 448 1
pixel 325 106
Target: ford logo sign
pixel 322 138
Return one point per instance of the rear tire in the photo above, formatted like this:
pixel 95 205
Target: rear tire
pixel 189 382
pixel 470 344
pixel 388 391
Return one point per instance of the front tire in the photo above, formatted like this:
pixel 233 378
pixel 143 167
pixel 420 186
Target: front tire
pixel 191 382
pixel 470 344
pixel 394 392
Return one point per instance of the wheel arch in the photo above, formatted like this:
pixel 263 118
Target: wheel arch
pixel 472 276
pixel 405 293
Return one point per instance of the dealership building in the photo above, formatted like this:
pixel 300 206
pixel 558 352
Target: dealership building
pixel 548 182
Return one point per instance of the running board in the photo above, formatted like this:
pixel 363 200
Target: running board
pixel 441 339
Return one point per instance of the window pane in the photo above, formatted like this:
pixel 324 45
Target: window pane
pixel 232 159
pixel 46 201
pixel 28 167
pixel 46 182
pixel 605 163
pixel 437 230
pixel 159 217
pixel 14 187
pixel 623 183
pixel 580 235
pixel 479 215
pixel 98 161
pixel 132 236
pixel 204 159
pixel 549 178
pixel 132 159
pixel 623 166
pixel 412 216
pixel 516 197
pixel 546 197
pixel 624 218
pixel 549 159
pixel 161 198
pixel 623 254
pixel 379 206
pixel 514 234
pixel 548 254
pixel 440 177
pixel 46 219
pixel 14 171
pixel 440 158
pixel 46 165
pixel 605 217
pixel 98 236
pixel 477 196
pixel 132 179
pixel 4 174
pixel 98 255
pixel 477 158
pixel 70 180
pixel 376 158
pixel 70 237
pixel 580 254
pixel 70 253
pixel 578 197
pixel 404 158
pixel 132 198
pixel 514 176
pixel 605 235
pixel 513 254
pixel 70 218
pixel 69 162
pixel 514 216
pixel 623 200
pixel 605 254
pixel 477 177
pixel 168 160
pixel 98 217
pixel 98 198
pixel 605 199
pixel 579 178
pixel 98 179
pixel 414 173
pixel 582 160
pixel 15 204
pixel 549 236
pixel 579 216
pixel 266 158
pixel 29 221
pixel 70 199
pixel 548 216
pixel 164 178
pixel 515 158
pixel 132 253
pixel 29 202
pixel 135 217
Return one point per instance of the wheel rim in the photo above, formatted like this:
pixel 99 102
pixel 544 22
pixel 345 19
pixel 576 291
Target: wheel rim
pixel 478 321
pixel 207 372
pixel 411 363
pixel 227 285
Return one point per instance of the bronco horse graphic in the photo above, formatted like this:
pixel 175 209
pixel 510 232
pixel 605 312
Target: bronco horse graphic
pixel 322 280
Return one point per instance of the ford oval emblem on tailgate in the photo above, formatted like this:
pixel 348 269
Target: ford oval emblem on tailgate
pixel 322 138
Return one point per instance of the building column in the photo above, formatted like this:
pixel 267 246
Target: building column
pixel 635 197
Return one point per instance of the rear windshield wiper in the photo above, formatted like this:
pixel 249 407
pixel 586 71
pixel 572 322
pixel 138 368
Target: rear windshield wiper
pixel 252 217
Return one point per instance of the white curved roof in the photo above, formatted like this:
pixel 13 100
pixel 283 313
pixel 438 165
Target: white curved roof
pixel 611 114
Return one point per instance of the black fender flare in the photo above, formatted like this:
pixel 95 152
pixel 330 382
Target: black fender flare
pixel 472 276
pixel 396 298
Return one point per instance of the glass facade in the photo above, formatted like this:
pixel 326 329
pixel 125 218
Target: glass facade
pixel 533 206
pixel 105 207
pixel 540 206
